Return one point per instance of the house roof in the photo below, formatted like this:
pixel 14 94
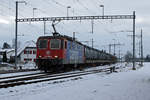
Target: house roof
pixel 6 50
pixel 28 44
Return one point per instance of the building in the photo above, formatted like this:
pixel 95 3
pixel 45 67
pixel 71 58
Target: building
pixel 26 53
pixel 6 53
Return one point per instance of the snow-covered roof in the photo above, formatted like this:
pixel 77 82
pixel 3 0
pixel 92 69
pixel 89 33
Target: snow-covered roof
pixel 6 50
pixel 25 45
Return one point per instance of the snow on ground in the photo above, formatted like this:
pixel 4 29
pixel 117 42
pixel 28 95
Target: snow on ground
pixel 27 66
pixel 24 66
pixel 7 66
pixel 18 73
pixel 128 85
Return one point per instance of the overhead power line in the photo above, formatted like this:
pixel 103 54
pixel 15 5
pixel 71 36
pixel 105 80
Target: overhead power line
pixel 58 3
pixel 86 8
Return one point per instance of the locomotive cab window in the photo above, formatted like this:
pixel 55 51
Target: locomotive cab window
pixel 42 44
pixel 55 43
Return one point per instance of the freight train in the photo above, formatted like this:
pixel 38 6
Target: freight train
pixel 61 52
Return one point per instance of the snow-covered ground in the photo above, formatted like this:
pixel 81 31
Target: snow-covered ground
pixel 28 66
pixel 18 73
pixel 124 85
pixel 7 66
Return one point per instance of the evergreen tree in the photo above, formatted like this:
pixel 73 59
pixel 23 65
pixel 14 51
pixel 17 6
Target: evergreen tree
pixel 6 46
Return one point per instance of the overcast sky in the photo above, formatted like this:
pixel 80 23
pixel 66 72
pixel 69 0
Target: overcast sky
pixel 105 31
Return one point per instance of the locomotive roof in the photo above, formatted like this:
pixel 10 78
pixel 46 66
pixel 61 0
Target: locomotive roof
pixel 61 37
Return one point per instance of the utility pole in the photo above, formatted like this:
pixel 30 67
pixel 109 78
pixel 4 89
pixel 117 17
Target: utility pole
pixel 92 22
pixel 74 35
pixel 141 47
pixel 34 11
pixel 114 47
pixel 102 9
pixel 119 54
pixel 92 43
pixel 120 50
pixel 134 41
pixel 16 30
pixel 110 48
pixel 68 10
pixel 44 27
pixel 16 33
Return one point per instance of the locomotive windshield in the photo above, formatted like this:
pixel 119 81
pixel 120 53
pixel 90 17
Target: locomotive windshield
pixel 55 43
pixel 42 44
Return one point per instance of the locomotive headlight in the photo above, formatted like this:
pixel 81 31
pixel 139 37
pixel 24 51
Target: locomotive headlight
pixel 56 56
pixel 40 56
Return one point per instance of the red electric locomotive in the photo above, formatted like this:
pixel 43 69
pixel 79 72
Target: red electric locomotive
pixel 57 52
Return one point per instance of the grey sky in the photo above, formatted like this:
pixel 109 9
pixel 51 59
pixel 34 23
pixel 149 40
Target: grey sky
pixel 104 30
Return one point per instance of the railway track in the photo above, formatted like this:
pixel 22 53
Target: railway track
pixel 17 76
pixel 16 71
pixel 10 82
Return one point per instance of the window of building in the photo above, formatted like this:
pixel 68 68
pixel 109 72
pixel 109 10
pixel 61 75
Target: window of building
pixel 34 52
pixel 27 52
pixel 24 51
pixel 27 59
